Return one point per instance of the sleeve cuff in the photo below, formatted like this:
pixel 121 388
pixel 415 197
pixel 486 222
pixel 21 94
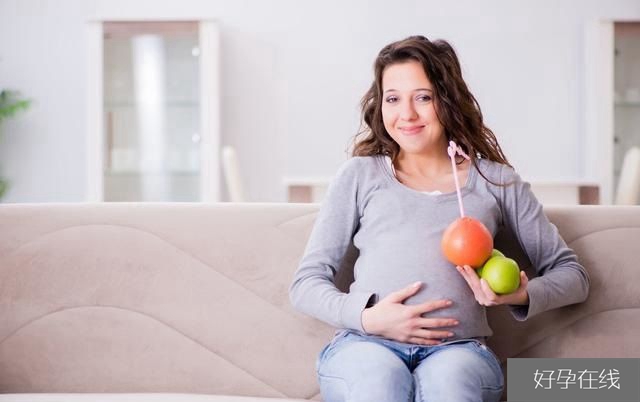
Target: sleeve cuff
pixel 351 315
pixel 536 305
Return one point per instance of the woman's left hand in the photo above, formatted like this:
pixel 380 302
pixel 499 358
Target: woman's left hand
pixel 487 297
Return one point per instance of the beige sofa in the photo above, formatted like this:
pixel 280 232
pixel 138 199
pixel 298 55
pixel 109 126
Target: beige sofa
pixel 189 302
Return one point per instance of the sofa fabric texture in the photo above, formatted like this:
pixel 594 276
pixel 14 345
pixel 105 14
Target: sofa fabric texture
pixel 174 299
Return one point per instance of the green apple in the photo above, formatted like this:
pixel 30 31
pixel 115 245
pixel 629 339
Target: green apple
pixel 494 253
pixel 502 274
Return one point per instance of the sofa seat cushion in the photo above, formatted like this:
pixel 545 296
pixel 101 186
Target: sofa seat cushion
pixel 138 397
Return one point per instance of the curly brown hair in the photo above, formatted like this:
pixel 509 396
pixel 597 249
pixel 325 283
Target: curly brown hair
pixel 456 107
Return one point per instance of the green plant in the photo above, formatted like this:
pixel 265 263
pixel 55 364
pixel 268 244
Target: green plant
pixel 10 104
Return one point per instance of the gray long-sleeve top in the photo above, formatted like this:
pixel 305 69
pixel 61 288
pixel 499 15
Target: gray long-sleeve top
pixel 398 232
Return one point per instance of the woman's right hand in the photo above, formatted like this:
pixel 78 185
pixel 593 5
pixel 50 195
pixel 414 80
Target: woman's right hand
pixel 392 319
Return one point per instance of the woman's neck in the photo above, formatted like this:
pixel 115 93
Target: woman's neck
pixel 428 165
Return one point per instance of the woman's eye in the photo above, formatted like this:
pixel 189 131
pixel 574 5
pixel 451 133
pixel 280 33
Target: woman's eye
pixel 424 98
pixel 391 99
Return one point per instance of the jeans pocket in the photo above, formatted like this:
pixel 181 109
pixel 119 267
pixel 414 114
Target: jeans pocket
pixel 325 352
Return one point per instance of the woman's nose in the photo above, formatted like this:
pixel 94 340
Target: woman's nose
pixel 408 111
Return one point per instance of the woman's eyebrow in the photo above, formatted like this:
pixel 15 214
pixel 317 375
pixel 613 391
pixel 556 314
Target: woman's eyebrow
pixel 417 89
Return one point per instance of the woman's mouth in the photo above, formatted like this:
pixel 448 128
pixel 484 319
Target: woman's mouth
pixel 411 130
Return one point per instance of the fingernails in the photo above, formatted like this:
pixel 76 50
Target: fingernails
pixel 415 285
pixel 450 334
pixel 456 322
pixel 448 303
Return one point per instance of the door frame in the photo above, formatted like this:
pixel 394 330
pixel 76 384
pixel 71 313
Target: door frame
pixel 599 104
pixel 598 107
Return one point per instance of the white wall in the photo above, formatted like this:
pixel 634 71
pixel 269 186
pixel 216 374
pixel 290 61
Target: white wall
pixel 292 76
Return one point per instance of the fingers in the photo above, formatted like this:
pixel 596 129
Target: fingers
pixel 429 331
pixel 490 298
pixel 432 335
pixel 403 294
pixel 430 305
pixel 429 328
pixel 436 322
pixel 469 274
pixel 425 336
pixel 481 290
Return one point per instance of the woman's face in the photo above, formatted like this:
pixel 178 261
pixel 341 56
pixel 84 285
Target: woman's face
pixel 408 109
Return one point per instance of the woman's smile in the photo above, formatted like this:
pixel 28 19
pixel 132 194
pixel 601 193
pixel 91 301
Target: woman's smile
pixel 411 130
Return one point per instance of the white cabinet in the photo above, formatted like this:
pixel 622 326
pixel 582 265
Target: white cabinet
pixel 153 111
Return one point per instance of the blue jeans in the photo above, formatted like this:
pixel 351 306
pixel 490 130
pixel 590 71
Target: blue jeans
pixel 357 367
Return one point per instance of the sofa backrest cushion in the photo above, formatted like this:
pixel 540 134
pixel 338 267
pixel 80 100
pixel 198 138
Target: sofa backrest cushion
pixel 193 297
